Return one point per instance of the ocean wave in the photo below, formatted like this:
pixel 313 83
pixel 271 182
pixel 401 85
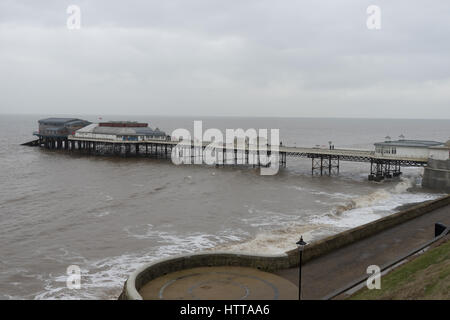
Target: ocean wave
pixel 104 278
pixel 274 241
pixel 376 197
pixel 267 218
pixel 357 211
pixel 373 206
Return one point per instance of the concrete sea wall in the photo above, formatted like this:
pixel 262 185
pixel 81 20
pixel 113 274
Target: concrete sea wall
pixel 275 262
pixel 437 175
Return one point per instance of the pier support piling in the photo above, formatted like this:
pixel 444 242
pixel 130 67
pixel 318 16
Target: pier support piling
pixel 382 169
pixel 328 165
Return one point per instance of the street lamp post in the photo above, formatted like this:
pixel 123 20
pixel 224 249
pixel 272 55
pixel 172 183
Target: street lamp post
pixel 301 245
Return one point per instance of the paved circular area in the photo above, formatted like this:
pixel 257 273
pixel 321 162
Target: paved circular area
pixel 220 283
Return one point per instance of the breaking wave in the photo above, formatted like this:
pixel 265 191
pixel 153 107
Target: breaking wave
pixel 354 212
pixel 367 208
pixel 376 197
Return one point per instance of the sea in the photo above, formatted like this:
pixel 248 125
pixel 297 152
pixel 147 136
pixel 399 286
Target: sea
pixel 110 215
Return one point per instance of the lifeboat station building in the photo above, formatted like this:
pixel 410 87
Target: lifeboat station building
pixel 53 132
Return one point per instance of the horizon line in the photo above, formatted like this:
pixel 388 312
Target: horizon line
pixel 218 116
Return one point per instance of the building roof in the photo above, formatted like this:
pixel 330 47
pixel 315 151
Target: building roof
pixel 445 146
pixel 88 128
pixel 60 121
pixel 121 131
pixel 410 143
pixel 123 124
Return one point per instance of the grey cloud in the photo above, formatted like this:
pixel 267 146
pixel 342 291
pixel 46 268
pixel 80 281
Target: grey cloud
pixel 211 57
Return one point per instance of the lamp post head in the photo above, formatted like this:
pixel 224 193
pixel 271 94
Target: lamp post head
pixel 301 244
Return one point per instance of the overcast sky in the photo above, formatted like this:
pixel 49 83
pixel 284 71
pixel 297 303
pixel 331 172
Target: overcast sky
pixel 312 58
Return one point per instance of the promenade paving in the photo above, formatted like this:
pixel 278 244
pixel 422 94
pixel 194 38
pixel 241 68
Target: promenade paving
pixel 332 271
pixel 220 283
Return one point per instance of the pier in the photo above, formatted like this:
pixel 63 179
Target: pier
pixel 134 139
pixel 323 161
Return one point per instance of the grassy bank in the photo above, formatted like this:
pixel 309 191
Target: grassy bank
pixel 425 277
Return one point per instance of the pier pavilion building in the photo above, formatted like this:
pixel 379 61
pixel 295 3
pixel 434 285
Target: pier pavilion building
pixel 405 148
pixel 120 131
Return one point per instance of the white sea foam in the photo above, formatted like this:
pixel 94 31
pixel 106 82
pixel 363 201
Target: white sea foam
pixel 104 278
pixel 358 210
pixel 101 214
pixel 373 206
pixel 264 218
pixel 274 241
pixel 333 195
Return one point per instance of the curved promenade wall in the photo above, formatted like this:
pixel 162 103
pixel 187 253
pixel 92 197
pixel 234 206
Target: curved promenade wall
pixel 272 262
